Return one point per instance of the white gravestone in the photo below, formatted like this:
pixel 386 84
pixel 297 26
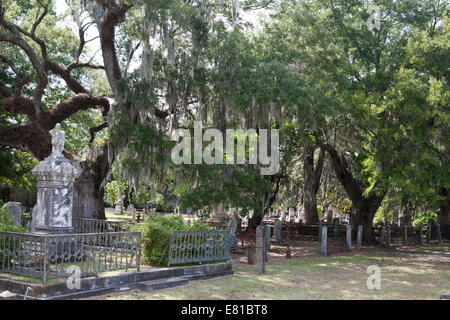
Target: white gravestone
pixel 55 176
pixel 16 210
pixel 119 203
pixel 291 213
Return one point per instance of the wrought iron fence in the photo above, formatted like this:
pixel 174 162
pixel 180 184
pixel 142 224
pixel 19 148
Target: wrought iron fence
pixel 198 246
pixel 98 226
pixel 49 256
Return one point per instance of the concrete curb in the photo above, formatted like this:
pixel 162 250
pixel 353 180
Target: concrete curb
pixel 120 282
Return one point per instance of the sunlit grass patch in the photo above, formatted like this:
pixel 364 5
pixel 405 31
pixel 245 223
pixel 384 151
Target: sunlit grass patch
pixel 405 274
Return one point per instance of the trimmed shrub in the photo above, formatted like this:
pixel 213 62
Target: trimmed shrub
pixel 156 236
pixel 7 225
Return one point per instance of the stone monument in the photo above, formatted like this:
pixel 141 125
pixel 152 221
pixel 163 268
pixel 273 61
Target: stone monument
pixel 55 176
pixel 291 214
pixel 282 213
pixel 231 229
pixel 118 208
pixel 277 231
pixel 260 249
pixel 16 210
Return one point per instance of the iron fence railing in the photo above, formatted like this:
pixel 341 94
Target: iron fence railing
pixel 49 256
pixel 98 226
pixel 198 246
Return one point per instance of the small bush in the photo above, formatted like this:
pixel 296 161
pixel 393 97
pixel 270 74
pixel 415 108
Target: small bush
pixel 425 219
pixel 198 225
pixel 7 225
pixel 156 236
pixel 7 222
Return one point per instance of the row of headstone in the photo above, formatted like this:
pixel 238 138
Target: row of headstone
pixel 277 232
pixel 292 215
pixel 323 238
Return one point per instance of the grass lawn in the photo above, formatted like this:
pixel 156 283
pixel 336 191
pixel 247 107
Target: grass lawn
pixel 113 216
pixel 406 273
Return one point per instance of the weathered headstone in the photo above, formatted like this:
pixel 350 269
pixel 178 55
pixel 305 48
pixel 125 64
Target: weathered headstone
pixel 301 214
pixel 16 210
pixel 291 213
pixel 231 228
pixel 277 231
pixel 323 249
pixel 260 246
pixel 359 238
pixel 188 222
pixel 349 236
pixel 118 208
pixel 282 213
pixel 55 177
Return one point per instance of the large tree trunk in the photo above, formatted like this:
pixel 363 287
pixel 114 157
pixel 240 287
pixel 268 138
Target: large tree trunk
pixel 254 221
pixel 364 214
pixel 364 206
pixel 88 195
pixel 311 183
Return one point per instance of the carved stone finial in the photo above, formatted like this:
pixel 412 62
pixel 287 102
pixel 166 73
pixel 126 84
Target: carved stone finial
pixel 58 137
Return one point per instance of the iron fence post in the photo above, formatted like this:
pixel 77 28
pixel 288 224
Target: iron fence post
pixel 45 260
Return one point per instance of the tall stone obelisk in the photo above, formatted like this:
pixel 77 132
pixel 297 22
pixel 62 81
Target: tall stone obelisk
pixel 55 176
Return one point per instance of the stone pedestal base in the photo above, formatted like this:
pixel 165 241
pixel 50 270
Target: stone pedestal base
pixel 118 208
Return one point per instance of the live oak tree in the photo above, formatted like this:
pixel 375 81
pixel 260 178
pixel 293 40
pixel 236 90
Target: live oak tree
pixel 154 77
pixel 34 51
pixel 354 103
pixel 369 103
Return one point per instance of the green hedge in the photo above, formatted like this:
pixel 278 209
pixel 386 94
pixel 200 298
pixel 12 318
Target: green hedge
pixel 7 225
pixel 156 236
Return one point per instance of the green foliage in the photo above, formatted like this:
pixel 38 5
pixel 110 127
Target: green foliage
pixel 7 222
pixel 7 225
pixel 15 169
pixel 112 190
pixel 426 219
pixel 383 215
pixel 156 236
